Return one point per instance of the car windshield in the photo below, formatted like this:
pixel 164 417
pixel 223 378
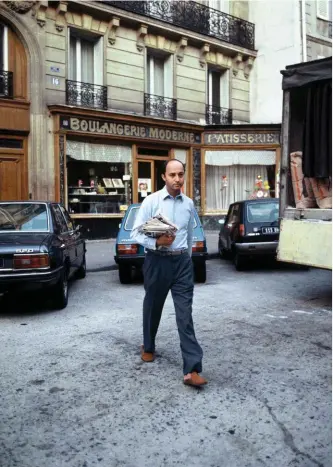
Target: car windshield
pixel 23 217
pixel 132 216
pixel 262 212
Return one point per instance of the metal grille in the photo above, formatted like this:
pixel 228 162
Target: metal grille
pixel 218 115
pixel 159 106
pixel 6 84
pixel 86 94
pixel 195 17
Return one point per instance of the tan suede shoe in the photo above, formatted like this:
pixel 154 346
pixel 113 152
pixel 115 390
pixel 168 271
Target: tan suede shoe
pixel 195 380
pixel 147 357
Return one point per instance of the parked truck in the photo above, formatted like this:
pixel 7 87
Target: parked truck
pixel 306 165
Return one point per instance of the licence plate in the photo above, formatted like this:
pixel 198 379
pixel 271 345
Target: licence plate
pixel 270 230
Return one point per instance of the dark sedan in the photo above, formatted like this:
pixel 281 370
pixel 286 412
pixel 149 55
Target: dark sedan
pixel 39 247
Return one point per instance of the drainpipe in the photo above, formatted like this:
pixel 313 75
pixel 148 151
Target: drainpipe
pixel 303 22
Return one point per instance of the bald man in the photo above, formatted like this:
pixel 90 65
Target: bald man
pixel 168 266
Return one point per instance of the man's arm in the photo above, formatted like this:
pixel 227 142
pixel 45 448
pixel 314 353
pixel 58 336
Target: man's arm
pixel 190 232
pixel 144 214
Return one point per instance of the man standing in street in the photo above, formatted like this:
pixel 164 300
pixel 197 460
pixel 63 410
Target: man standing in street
pixel 168 266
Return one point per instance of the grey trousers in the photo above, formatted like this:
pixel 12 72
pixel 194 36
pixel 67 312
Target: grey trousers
pixel 175 273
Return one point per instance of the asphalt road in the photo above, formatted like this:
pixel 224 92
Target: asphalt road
pixel 75 393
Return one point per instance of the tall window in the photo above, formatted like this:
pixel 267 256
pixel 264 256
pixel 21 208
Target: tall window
pixel 324 9
pixel 3 47
pixel 86 59
pixel 218 88
pixel 160 75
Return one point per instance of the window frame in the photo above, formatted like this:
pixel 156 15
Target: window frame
pixel 54 213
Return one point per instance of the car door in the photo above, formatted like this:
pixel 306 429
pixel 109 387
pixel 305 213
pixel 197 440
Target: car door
pixel 65 236
pixel 77 238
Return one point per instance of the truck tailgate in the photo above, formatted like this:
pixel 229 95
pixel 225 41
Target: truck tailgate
pixel 307 242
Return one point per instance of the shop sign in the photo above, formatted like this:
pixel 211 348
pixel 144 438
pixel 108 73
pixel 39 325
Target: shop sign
pixel 220 138
pixel 102 127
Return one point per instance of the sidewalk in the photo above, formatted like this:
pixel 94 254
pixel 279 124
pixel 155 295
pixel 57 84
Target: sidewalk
pixel 100 253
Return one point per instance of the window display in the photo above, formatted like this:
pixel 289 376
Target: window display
pixel 233 176
pixel 98 178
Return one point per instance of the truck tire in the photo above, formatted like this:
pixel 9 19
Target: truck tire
pixel 125 273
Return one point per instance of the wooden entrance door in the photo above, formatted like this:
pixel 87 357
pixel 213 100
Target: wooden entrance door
pixel 11 177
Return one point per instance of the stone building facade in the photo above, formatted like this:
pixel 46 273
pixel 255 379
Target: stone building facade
pixel 105 92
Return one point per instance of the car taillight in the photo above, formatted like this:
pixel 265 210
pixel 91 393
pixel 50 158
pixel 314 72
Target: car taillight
pixel 198 246
pixel 242 230
pixel 31 261
pixel 128 249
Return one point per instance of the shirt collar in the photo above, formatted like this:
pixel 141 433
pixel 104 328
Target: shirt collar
pixel 166 194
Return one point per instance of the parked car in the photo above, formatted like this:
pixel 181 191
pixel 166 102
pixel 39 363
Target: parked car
pixel 129 255
pixel 250 229
pixel 39 247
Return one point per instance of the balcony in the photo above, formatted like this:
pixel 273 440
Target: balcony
pixel 194 17
pixel 159 106
pixel 6 84
pixel 86 95
pixel 218 115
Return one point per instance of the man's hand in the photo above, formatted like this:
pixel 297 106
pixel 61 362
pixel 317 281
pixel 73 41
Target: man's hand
pixel 165 240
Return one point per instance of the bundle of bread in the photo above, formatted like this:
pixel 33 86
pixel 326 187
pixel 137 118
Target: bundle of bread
pixel 157 226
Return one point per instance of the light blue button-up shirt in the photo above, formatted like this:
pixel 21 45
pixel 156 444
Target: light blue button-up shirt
pixel 178 210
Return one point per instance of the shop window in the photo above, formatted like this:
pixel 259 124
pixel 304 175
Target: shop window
pixel 99 178
pixel 231 176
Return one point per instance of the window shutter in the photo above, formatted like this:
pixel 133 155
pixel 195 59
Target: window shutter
pixel 322 9
pixel 168 77
pixel 98 62
pixel 225 89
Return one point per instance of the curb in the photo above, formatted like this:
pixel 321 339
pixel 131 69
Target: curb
pixel 114 267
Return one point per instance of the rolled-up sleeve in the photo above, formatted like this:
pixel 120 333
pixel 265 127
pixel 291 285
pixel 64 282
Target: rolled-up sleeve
pixel 144 214
pixel 190 231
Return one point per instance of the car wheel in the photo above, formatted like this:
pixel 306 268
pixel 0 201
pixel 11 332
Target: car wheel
pixel 125 273
pixel 82 271
pixel 222 252
pixel 60 292
pixel 200 273
pixel 239 262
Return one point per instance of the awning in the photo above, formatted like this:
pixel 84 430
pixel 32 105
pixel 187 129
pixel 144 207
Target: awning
pixel 242 157
pixel 302 74
pixel 92 152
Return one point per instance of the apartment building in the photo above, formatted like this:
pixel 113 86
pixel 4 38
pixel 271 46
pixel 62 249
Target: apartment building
pixel 100 94
pixel 287 32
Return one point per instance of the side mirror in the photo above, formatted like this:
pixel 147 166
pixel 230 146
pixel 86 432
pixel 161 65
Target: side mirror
pixel 119 226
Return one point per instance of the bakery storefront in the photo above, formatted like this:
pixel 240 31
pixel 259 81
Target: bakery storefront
pixel 105 164
pixel 238 162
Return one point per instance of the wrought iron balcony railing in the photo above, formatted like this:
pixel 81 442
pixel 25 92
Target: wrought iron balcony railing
pixel 6 84
pixel 159 106
pixel 218 115
pixel 86 95
pixel 195 17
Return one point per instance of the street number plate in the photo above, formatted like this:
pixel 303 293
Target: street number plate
pixel 270 230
